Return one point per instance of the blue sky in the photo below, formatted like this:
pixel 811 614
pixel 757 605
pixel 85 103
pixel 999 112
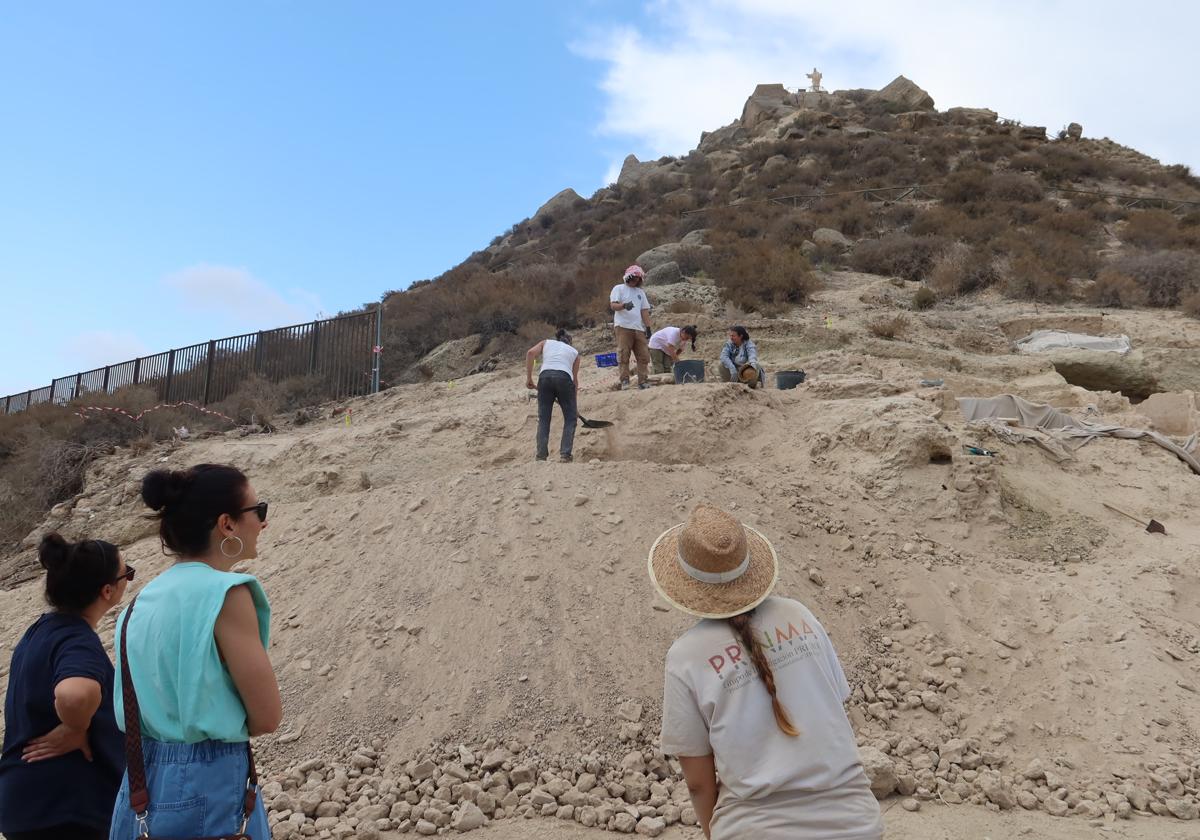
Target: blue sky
pixel 173 172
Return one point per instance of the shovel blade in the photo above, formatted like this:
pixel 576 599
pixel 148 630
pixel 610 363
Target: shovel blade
pixel 595 424
pixel 1156 527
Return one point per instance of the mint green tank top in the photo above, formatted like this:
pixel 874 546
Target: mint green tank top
pixel 184 691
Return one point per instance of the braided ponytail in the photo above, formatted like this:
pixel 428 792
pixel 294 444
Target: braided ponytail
pixel 753 647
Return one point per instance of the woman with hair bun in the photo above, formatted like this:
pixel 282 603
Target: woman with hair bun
pixel 63 754
pixel 194 643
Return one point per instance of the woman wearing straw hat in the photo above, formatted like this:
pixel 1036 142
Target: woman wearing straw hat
pixel 753 694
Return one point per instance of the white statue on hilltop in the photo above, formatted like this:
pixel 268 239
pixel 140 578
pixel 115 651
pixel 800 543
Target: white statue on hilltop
pixel 815 77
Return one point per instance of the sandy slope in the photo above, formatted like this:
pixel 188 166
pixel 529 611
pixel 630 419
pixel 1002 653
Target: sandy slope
pixel 431 583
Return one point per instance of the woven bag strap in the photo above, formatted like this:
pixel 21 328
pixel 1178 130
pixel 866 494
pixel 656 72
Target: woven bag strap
pixel 139 797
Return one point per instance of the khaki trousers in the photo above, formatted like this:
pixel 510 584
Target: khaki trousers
pixel 660 362
pixel 635 341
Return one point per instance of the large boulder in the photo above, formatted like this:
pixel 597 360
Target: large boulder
pixel 914 120
pixel 972 116
pixel 633 172
pixel 659 255
pixel 766 102
pixel 664 275
pixel 1075 131
pixel 723 137
pixel 560 203
pixel 902 91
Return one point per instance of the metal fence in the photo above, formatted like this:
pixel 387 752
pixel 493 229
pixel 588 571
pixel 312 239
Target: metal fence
pixel 342 353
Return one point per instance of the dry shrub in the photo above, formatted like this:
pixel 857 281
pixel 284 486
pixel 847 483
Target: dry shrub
pixel 791 229
pixel 889 327
pixel 1010 186
pixel 962 269
pixel 1114 289
pixel 966 186
pixel 1027 278
pixel 534 331
pixel 899 255
pixel 1191 305
pixel 1165 276
pixel 1061 254
pixel 756 276
pixel 1059 164
pixel 992 147
pixel 1158 229
pixel 256 402
pixel 924 298
pixel 851 214
pixel 45 451
pixel 694 259
pixel 953 223
pixel 1075 223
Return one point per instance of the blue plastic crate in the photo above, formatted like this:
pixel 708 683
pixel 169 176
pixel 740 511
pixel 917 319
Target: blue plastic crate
pixel 606 360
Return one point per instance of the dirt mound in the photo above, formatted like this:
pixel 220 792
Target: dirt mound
pixel 1008 639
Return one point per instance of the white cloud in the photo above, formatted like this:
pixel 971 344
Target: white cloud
pixel 97 348
pixel 1120 70
pixel 240 298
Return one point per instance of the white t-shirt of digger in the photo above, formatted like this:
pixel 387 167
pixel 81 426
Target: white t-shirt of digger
pixel 630 319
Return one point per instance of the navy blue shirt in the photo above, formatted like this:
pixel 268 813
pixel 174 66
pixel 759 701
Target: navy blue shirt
pixel 67 789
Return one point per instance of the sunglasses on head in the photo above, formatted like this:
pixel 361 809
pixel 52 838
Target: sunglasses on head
pixel 260 509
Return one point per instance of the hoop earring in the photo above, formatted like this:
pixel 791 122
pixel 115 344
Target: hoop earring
pixel 241 547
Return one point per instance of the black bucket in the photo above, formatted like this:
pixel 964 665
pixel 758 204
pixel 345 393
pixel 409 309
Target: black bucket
pixel 691 370
pixel 786 380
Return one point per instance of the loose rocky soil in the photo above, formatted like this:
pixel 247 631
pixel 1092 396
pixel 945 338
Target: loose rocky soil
pixel 465 636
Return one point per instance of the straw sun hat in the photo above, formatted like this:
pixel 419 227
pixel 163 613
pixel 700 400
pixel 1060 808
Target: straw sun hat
pixel 713 566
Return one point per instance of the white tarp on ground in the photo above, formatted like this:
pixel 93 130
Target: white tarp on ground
pixel 999 412
pixel 1041 341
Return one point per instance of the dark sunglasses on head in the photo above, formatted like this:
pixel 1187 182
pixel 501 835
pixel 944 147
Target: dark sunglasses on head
pixel 126 575
pixel 260 509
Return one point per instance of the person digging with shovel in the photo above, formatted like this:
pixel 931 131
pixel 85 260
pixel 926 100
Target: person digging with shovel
pixel 557 383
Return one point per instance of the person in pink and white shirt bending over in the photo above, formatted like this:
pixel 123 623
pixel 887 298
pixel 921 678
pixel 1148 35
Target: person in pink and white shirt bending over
pixel 667 344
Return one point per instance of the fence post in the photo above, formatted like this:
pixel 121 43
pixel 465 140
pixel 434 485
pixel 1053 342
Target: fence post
pixel 312 353
pixel 104 387
pixel 170 373
pixel 377 350
pixel 258 352
pixel 212 349
pixel 6 401
pixel 137 370
pixel 78 385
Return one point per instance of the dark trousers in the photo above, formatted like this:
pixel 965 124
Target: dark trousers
pixel 70 831
pixel 555 386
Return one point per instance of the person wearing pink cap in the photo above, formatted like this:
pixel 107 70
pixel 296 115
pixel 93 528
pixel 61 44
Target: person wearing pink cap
pixel 631 318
